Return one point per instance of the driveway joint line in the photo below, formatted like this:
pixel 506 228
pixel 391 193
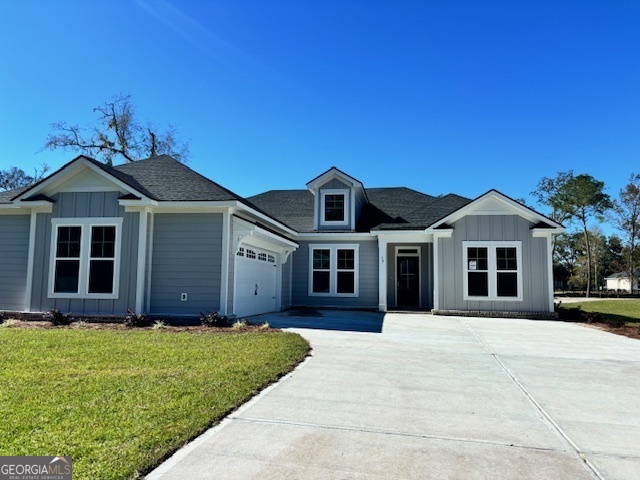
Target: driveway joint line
pixel 394 433
pixel 537 405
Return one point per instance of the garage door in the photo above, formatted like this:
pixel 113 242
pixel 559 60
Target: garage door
pixel 255 282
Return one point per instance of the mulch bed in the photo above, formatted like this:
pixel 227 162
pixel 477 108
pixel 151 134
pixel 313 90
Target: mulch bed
pixel 122 326
pixel 627 331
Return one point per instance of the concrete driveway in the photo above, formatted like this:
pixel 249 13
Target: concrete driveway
pixel 423 397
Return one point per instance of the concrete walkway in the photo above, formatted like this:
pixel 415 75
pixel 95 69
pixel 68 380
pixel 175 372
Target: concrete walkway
pixel 435 398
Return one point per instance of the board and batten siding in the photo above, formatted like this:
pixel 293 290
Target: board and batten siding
pixel 14 253
pixel 493 228
pixel 187 258
pixel 426 273
pixel 367 277
pixel 83 205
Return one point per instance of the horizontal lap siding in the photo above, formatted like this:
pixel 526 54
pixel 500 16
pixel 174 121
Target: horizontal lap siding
pixel 187 253
pixel 368 278
pixel 81 205
pixel 14 252
pixel 493 228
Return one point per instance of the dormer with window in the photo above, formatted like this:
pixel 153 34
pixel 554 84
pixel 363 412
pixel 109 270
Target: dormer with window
pixel 338 200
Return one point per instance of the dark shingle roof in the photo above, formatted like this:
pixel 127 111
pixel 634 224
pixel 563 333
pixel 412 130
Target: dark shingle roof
pixel 163 178
pixel 6 196
pixel 293 207
pixel 396 208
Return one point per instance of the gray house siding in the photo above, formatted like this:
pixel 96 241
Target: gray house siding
pixel 81 205
pixel 493 228
pixel 367 277
pixel 186 259
pixel 14 253
pixel 426 274
pixel 332 184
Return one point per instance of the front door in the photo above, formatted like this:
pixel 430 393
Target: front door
pixel 408 280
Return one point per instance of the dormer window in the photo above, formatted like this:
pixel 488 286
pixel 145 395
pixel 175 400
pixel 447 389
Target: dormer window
pixel 335 207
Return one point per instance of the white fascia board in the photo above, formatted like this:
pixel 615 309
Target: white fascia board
pixel 408 236
pixel 509 204
pixel 336 237
pixel 545 232
pixel 330 174
pixel 142 203
pixel 11 209
pixel 440 232
pixel 24 208
pixel 276 238
pixel 69 171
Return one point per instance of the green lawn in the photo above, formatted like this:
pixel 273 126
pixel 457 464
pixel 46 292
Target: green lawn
pixel 119 402
pixel 628 309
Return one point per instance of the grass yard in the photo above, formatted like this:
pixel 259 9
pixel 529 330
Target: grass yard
pixel 119 402
pixel 627 309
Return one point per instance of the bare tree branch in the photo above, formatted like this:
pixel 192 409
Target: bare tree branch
pixel 117 134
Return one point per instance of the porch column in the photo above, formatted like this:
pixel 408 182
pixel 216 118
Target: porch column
pixel 382 274
pixel 141 268
pixel 436 278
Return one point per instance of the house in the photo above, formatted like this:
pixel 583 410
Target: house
pixel 620 282
pixel 157 237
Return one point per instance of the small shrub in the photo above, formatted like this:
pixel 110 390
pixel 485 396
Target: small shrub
pixel 264 325
pixel 240 324
pixel 57 318
pixel 82 324
pixel 570 314
pixel 9 323
pixel 615 322
pixel 592 317
pixel 2 317
pixel 135 320
pixel 159 325
pixel 213 319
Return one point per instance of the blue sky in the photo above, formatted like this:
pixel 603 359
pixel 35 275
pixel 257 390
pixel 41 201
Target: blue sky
pixel 439 96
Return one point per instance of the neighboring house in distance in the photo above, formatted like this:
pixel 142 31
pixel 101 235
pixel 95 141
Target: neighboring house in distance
pixel 157 237
pixel 621 282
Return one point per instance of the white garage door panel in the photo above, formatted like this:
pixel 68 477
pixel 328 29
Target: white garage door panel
pixel 255 287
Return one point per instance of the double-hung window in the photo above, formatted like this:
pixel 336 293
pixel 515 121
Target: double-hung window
pixel 492 270
pixel 85 257
pixel 335 207
pixel 333 270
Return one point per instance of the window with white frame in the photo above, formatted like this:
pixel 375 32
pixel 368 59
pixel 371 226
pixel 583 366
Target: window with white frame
pixel 85 257
pixel 492 270
pixel 335 206
pixel 333 270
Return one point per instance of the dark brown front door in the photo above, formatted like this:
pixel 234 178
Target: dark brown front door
pixel 408 280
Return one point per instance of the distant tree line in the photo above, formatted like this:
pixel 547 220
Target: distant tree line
pixel 583 256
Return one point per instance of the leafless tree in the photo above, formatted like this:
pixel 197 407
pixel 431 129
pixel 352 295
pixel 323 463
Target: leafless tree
pixel 117 134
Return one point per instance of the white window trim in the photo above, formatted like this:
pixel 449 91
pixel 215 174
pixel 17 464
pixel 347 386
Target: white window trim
pixel 491 270
pixel 85 225
pixel 347 205
pixel 333 271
